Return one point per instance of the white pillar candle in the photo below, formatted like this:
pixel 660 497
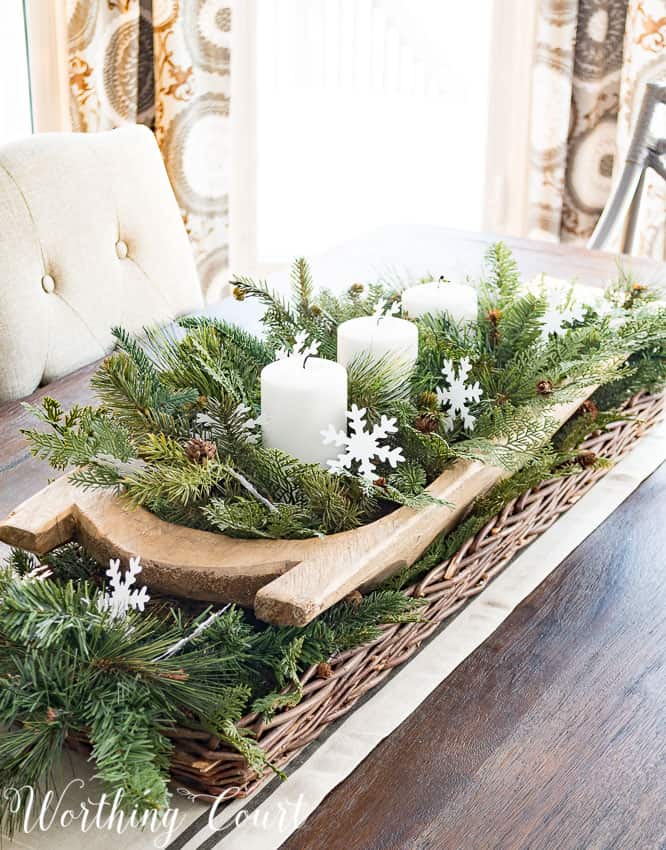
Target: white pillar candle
pixel 395 340
pixel 298 402
pixel 456 299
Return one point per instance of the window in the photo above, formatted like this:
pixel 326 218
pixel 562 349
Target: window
pixel 15 108
pixel 351 114
pixel 369 112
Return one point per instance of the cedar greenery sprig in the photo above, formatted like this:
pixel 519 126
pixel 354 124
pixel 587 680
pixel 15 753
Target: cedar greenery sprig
pixel 67 669
pixel 202 382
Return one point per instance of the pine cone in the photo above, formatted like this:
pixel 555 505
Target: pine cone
pixel 379 482
pixel 501 399
pixel 51 715
pixel 589 408
pixel 636 292
pixel 493 316
pixel 544 387
pixel 428 400
pixel 586 459
pixel 427 422
pixel 324 670
pixel 200 451
pixel 238 293
pixel 355 598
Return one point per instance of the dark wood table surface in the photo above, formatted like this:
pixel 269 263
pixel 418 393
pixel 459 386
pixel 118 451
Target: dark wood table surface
pixel 552 734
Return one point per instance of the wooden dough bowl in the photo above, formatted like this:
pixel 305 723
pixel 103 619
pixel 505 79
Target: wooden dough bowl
pixel 288 582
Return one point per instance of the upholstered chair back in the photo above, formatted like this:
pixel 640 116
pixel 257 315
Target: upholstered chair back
pixel 90 237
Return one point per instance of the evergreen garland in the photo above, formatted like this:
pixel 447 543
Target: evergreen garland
pixel 175 428
pixel 174 432
pixel 71 669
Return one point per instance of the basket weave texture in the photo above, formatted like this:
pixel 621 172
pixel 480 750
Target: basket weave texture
pixel 203 765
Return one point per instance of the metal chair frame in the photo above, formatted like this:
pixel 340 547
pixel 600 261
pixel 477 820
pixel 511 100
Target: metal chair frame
pixel 645 151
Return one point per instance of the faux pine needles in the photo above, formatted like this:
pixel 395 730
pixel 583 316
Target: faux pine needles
pixel 176 429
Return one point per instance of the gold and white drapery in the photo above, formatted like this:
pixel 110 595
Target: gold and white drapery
pixel 166 64
pixel 593 58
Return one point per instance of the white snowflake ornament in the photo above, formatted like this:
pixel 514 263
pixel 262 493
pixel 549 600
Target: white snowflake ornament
pixel 565 303
pixel 560 312
pixel 301 351
pixel 122 597
pixel 384 309
pixel 361 446
pixel 455 398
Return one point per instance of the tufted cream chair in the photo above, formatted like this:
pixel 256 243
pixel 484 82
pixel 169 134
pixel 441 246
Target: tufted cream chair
pixel 90 237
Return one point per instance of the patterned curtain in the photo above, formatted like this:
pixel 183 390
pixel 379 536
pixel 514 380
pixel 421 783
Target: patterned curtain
pixel 166 64
pixel 593 59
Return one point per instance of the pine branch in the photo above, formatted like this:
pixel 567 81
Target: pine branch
pixel 278 317
pixel 162 390
pixel 519 326
pixel 376 386
pixel 503 277
pixel 302 287
pixel 136 400
pixel 183 484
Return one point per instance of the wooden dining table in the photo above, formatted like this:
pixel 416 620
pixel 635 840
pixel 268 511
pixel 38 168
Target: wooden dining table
pixel 552 734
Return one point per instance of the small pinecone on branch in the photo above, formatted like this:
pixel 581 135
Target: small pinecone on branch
pixel 589 408
pixel 586 459
pixel 200 451
pixel 544 387
pixel 324 670
pixel 428 400
pixel 355 598
pixel 636 292
pixel 494 316
pixel 426 422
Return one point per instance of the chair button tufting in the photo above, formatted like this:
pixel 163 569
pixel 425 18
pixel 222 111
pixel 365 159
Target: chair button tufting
pixel 121 249
pixel 48 284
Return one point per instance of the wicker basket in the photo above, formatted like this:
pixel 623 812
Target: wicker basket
pixel 204 766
